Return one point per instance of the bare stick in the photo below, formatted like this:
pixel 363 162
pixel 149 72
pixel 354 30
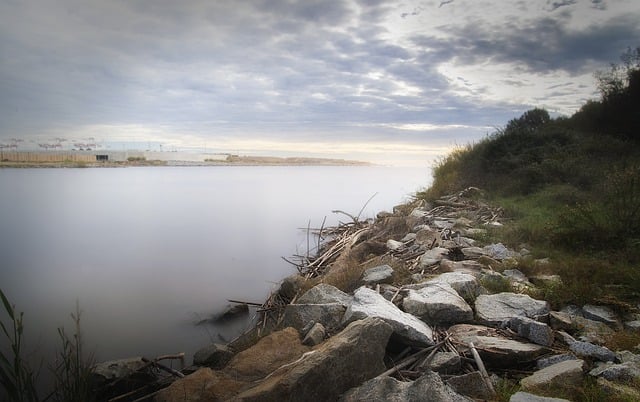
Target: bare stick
pixel 365 205
pixel 245 302
pixel 320 233
pixel 164 368
pixel 483 371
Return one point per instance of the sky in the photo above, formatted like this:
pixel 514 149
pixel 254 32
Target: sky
pixel 393 82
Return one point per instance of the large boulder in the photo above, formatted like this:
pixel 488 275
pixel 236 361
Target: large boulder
pixel 500 307
pixel 406 328
pixel 299 315
pixel 437 303
pixel 324 294
pixel 342 362
pixel 428 387
pixel 497 350
pixel 564 374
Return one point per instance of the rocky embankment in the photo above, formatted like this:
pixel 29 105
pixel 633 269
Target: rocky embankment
pixel 420 320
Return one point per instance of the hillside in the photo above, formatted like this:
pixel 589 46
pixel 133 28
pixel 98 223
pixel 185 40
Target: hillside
pixel 570 185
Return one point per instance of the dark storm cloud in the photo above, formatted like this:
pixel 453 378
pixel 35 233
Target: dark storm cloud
pixel 542 45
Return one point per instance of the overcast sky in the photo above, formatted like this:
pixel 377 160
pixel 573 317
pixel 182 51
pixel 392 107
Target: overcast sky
pixel 390 81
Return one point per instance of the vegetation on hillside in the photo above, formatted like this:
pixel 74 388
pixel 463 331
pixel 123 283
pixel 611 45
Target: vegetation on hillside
pixel 571 185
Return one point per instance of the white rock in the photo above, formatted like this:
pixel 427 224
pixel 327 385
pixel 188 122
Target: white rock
pixel 500 307
pixel 406 327
pixel 437 303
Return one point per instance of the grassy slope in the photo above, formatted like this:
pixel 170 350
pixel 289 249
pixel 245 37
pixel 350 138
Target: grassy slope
pixel 571 188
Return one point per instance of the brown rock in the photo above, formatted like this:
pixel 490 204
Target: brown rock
pixel 204 385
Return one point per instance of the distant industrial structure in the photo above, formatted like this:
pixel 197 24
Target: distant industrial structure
pixel 100 155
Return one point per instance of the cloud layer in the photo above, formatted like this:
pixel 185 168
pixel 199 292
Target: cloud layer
pixel 424 74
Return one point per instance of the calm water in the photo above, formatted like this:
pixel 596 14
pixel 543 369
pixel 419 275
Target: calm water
pixel 147 252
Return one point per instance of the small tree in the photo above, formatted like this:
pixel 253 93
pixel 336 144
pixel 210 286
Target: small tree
pixel 530 121
pixel 614 82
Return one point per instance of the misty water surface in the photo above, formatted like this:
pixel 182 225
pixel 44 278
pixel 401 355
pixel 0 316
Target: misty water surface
pixel 147 252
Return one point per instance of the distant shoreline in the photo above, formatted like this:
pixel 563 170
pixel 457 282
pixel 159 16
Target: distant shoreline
pixel 231 160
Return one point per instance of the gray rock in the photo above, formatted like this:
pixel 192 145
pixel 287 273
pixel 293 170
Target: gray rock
pixel 590 330
pixel 115 369
pixel 515 275
pixel 473 253
pixel 433 256
pixel 445 363
pixel 632 325
pixel 495 349
pixel 600 313
pixel 215 356
pixel 573 311
pixel 408 237
pixel 465 284
pixel 231 313
pixel 617 372
pixel 466 267
pixel 560 321
pixel 500 307
pixel 406 327
pixel 586 349
pixel 471 385
pixel 299 315
pixel 394 244
pixel 324 294
pixel 344 361
pixel 535 331
pixel 566 373
pixel 498 251
pixel 442 224
pixel 315 335
pixel 551 360
pixel 428 387
pixel 522 396
pixel 428 237
pixel 379 274
pixel 437 303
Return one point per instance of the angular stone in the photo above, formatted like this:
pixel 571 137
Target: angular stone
pixel 551 360
pixel 617 372
pixel 590 330
pixel 560 321
pixel 428 387
pixel 394 244
pixel 586 349
pixel 408 237
pixel 290 286
pixel 427 237
pixel 465 284
pixel 445 363
pixel 522 396
pixel 201 386
pixel 406 327
pixel 515 275
pixel 471 385
pixel 498 251
pixel 379 274
pixel 632 325
pixel 433 256
pixel 343 361
pixel 299 315
pixel 565 374
pixel 473 253
pixel 437 303
pixel 535 331
pixel 315 335
pixel 324 294
pixel 214 355
pixel 500 307
pixel 496 349
pixel 600 313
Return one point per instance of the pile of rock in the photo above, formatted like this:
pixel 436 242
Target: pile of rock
pixel 401 341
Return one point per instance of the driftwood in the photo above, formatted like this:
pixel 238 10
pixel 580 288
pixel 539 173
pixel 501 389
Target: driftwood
pixel 482 369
